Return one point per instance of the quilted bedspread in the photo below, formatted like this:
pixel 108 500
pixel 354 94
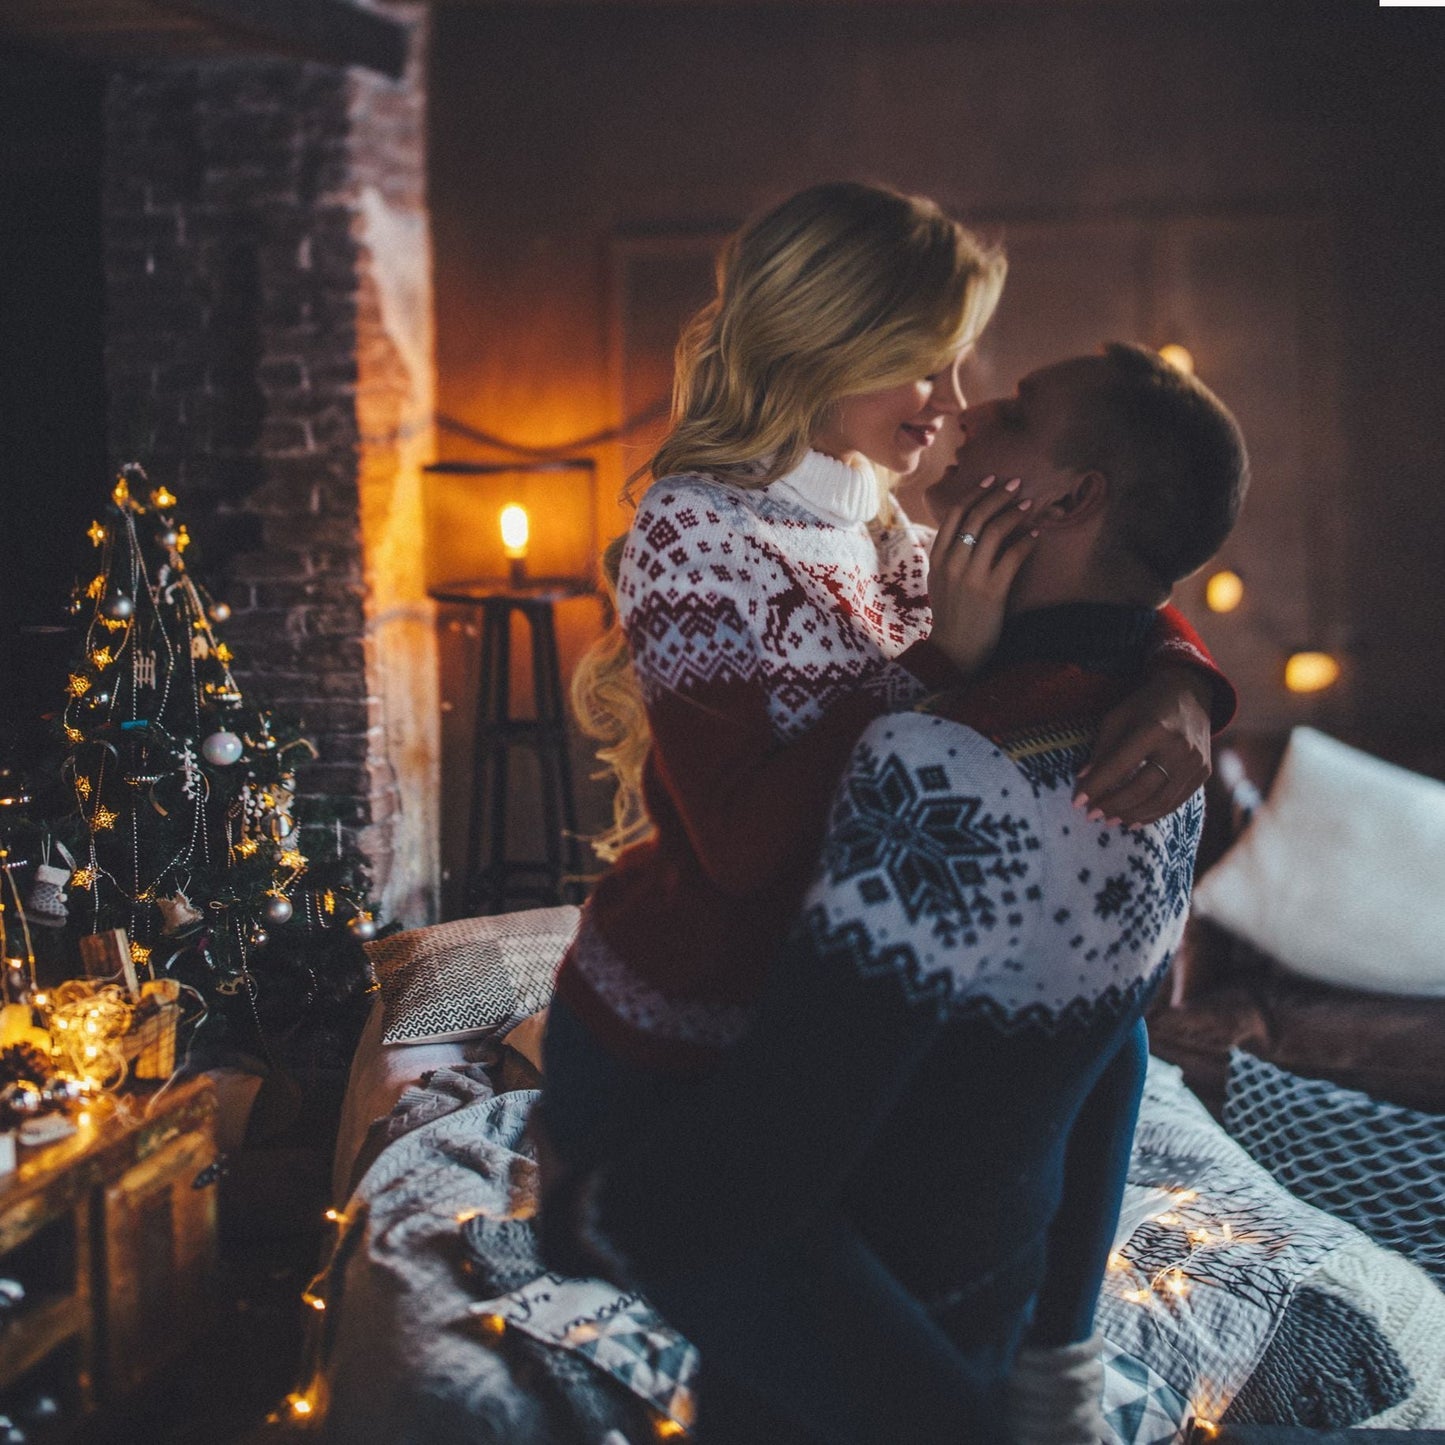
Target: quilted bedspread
pixel 1226 1298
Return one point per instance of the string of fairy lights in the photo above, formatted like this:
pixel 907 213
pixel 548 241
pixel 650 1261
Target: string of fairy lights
pixel 1186 1241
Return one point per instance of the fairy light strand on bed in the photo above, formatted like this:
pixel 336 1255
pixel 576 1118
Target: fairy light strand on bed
pixel 1171 1283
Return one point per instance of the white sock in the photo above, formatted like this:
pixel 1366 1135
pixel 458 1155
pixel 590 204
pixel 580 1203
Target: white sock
pixel 1056 1396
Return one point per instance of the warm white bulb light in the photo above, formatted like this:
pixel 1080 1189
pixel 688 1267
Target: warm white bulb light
pixel 1311 672
pixel 1224 591
pixel 515 531
pixel 1179 357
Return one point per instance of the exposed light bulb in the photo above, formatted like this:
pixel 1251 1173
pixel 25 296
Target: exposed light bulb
pixel 516 530
pixel 1179 357
pixel 1311 671
pixel 1224 591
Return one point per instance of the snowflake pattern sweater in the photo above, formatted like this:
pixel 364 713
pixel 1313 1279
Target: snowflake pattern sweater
pixel 768 628
pixel 970 958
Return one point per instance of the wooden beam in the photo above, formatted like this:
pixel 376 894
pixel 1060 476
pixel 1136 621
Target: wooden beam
pixel 333 32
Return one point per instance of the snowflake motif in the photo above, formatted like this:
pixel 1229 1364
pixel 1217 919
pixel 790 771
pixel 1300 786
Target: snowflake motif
pixel 935 850
pixel 191 780
pixel 1176 859
pixel 1056 768
pixel 1162 875
pixel 1112 896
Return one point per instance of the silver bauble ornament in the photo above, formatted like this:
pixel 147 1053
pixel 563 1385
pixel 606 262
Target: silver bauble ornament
pixel 362 928
pixel 118 606
pixel 220 612
pixel 258 937
pixel 222 749
pixel 22 1097
pixel 278 910
pixel 169 537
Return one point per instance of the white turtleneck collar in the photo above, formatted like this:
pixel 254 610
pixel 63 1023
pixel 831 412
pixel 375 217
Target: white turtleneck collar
pixel 832 490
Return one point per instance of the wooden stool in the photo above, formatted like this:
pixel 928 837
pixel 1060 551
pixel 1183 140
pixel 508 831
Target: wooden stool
pixel 494 881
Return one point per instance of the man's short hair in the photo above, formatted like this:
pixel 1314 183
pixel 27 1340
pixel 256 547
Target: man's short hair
pixel 1174 456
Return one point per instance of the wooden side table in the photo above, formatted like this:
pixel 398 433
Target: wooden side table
pixel 111 1234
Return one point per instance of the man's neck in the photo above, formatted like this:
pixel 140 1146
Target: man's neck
pixel 1075 568
pixel 1105 636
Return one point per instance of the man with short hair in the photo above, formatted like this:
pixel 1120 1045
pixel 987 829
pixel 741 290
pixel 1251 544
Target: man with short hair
pixel 913 1165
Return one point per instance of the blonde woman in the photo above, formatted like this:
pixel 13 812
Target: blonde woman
pixel 772 600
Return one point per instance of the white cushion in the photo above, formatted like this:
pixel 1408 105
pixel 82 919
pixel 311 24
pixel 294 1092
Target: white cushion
pixel 1341 874
pixel 471 977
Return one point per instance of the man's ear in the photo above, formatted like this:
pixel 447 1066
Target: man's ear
pixel 1084 500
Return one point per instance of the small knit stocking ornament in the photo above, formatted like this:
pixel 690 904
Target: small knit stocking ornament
pixel 1056 1396
pixel 45 904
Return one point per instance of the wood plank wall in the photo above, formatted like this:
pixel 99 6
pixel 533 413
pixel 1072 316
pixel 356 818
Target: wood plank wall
pixel 1251 180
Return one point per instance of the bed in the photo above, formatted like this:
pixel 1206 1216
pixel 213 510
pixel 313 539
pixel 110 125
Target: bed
pixel 1227 1299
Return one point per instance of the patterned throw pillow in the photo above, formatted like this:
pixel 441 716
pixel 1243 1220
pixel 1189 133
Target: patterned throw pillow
pixel 1378 1166
pixel 469 978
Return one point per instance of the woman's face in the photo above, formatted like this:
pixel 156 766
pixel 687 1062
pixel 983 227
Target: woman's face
pixel 894 427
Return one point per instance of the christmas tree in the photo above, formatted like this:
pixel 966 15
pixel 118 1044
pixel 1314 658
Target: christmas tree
pixel 182 806
pixel 20 852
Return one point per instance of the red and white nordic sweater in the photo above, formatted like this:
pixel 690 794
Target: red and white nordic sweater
pixel 768 627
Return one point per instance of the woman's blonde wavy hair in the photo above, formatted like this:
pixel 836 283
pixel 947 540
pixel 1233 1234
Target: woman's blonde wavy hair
pixel 843 288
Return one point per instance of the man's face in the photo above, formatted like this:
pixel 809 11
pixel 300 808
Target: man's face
pixel 1016 436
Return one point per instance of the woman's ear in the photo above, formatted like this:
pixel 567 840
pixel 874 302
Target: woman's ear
pixel 1083 501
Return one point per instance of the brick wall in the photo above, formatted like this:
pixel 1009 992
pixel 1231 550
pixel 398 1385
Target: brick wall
pixel 259 363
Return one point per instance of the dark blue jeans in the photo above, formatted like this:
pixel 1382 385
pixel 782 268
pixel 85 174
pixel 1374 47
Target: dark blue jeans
pixel 809 1319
